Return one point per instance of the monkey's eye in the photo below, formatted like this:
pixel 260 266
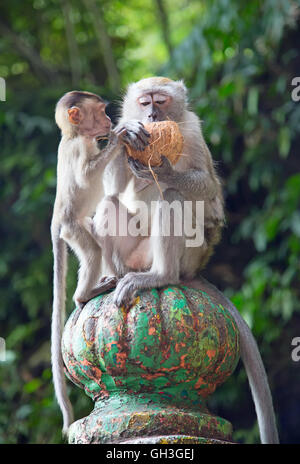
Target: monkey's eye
pixel 145 103
pixel 161 102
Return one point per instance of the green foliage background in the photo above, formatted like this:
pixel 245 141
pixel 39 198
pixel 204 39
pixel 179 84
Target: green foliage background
pixel 238 59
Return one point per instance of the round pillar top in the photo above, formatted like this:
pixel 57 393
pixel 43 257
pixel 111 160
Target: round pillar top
pixel 174 345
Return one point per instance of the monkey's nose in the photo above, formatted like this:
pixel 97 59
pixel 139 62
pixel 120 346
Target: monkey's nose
pixel 153 117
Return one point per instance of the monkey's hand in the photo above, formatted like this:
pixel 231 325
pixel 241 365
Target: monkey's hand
pixel 134 134
pixel 164 172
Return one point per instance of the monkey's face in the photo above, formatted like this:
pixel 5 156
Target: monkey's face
pixel 90 118
pixel 154 107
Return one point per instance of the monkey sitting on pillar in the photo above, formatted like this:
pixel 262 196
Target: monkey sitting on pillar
pixel 81 117
pixel 193 178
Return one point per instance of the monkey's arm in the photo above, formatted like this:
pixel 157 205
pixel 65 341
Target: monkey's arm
pixel 101 154
pixel 116 175
pixel 196 182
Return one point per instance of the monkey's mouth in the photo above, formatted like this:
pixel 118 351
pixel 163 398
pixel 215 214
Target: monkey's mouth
pixel 102 136
pixel 102 141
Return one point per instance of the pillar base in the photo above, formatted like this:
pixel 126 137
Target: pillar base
pixel 174 440
pixel 138 419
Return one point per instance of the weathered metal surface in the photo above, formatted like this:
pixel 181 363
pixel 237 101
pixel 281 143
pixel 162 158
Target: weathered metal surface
pixel 174 440
pixel 149 369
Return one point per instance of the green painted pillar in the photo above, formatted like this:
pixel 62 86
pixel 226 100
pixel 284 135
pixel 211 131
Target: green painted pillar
pixel 150 369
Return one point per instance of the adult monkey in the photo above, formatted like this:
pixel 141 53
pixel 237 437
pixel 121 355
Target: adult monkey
pixel 192 178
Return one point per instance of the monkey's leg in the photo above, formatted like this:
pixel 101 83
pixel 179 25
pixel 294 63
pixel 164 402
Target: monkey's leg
pixel 110 230
pixel 106 283
pixel 167 250
pixel 95 228
pixel 89 255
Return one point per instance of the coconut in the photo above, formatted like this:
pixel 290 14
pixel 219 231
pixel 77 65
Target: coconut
pixel 165 140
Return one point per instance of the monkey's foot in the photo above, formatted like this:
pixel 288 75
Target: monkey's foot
pixel 127 286
pixel 106 283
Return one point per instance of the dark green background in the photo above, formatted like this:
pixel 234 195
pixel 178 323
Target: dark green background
pixel 238 60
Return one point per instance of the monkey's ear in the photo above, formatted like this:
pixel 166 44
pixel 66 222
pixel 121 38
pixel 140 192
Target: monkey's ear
pixel 182 86
pixel 74 115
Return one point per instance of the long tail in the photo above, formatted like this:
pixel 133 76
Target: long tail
pixel 256 374
pixel 58 317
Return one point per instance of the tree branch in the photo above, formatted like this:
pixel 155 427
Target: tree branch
pixel 105 44
pixel 163 18
pixel 74 54
pixel 44 72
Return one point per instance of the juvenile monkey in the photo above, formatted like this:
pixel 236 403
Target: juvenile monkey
pixel 81 117
pixel 192 178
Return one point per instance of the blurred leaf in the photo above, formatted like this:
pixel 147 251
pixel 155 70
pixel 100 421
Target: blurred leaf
pixel 253 101
pixel 284 142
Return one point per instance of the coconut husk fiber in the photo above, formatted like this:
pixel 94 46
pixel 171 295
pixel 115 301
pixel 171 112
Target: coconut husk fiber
pixel 165 139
